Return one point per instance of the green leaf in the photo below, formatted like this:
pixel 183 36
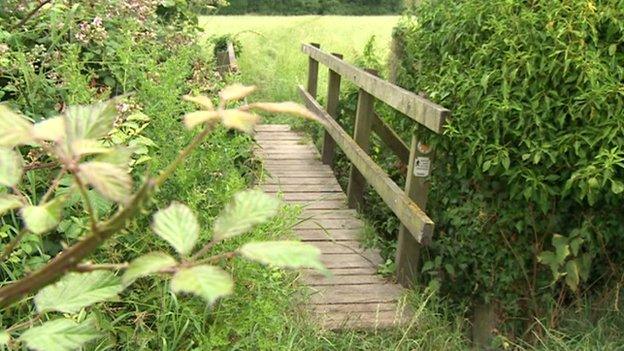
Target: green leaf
pixel 178 226
pixel 60 335
pixel 112 181
pixel 44 218
pixel 562 249
pixel 146 265
pixel 11 167
pixel 572 275
pixel 617 187
pixel 90 122
pixel 51 129
pixel 5 338
pixel 209 282
pixel 287 254
pixel 78 290
pixel 8 203
pixel 15 129
pixel 549 259
pixel 88 147
pixel 248 209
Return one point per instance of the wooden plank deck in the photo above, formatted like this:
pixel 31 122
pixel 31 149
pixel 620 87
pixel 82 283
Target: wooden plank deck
pixel 354 296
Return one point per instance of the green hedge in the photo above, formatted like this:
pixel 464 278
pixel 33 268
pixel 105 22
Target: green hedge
pixel 529 183
pixel 305 7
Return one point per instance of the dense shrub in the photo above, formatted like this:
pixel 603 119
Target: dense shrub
pixel 528 189
pixel 321 7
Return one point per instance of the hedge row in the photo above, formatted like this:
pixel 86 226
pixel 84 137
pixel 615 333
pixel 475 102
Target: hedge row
pixel 528 189
pixel 305 7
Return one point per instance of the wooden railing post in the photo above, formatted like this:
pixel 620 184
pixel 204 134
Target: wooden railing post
pixel 417 188
pixel 313 66
pixel 363 125
pixel 333 98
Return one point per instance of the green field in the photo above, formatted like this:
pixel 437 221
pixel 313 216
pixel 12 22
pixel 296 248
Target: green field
pixel 271 57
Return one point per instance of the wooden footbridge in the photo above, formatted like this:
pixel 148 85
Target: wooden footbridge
pixel 354 296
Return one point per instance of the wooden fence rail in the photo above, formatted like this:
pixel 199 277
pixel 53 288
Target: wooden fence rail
pixel 408 204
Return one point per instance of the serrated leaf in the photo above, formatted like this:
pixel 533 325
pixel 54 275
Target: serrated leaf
pixel 285 107
pixel 15 129
pixel 286 254
pixel 203 101
pixel 84 147
pixel 572 275
pixel 193 119
pixel 9 202
pixel 235 92
pixel 11 167
pixel 178 226
pixel 60 335
pixel 562 249
pixel 110 180
pixel 5 338
pixel 42 219
pixel 241 120
pixel 51 129
pixel 549 259
pixel 91 121
pixel 78 290
pixel 119 156
pixel 249 208
pixel 208 282
pixel 147 264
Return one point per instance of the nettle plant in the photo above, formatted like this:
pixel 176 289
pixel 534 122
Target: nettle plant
pixel 67 284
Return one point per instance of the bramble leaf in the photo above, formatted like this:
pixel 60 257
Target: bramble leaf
pixel 78 290
pixel 112 181
pixel 235 92
pixel 285 254
pixel 193 119
pixel 42 219
pixel 5 338
pixel 15 129
pixel 178 226
pixel 90 121
pixel 9 202
pixel 285 107
pixel 248 209
pixel 11 167
pixel 572 275
pixel 147 264
pixel 208 282
pixel 84 147
pixel 201 100
pixel 51 129
pixel 60 335
pixel 241 120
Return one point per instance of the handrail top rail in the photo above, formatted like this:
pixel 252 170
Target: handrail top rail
pixel 421 110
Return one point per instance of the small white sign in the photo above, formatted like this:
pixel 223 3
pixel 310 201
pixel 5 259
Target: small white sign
pixel 422 167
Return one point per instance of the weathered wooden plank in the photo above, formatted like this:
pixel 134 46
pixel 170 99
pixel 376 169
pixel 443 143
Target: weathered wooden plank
pixel 281 143
pixel 423 111
pixel 350 260
pixel 333 99
pixel 363 320
pixel 232 57
pixel 296 172
pixel 325 205
pixel 326 188
pixel 281 163
pixel 303 181
pixel 293 149
pixel 359 307
pixel 389 137
pixel 272 128
pixel 313 196
pixel 347 271
pixel 361 136
pixel 289 156
pixel 330 247
pixel 329 214
pixel 331 224
pixel 418 223
pixel 312 280
pixel 355 293
pixel 328 235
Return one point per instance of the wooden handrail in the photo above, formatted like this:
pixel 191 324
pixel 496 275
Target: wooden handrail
pixel 408 212
pixel 421 110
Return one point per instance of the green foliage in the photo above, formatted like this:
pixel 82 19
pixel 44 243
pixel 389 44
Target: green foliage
pixel 60 335
pixel 178 226
pixel 209 282
pixel 317 7
pixel 147 264
pixel 531 164
pixel 286 254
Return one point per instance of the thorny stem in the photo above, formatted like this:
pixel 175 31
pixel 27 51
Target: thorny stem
pixel 12 244
pixel 71 257
pixel 204 250
pixel 54 185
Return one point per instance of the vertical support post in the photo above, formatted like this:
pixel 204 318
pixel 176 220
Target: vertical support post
pixel 333 98
pixel 313 66
pixel 484 322
pixel 417 189
pixel 363 124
